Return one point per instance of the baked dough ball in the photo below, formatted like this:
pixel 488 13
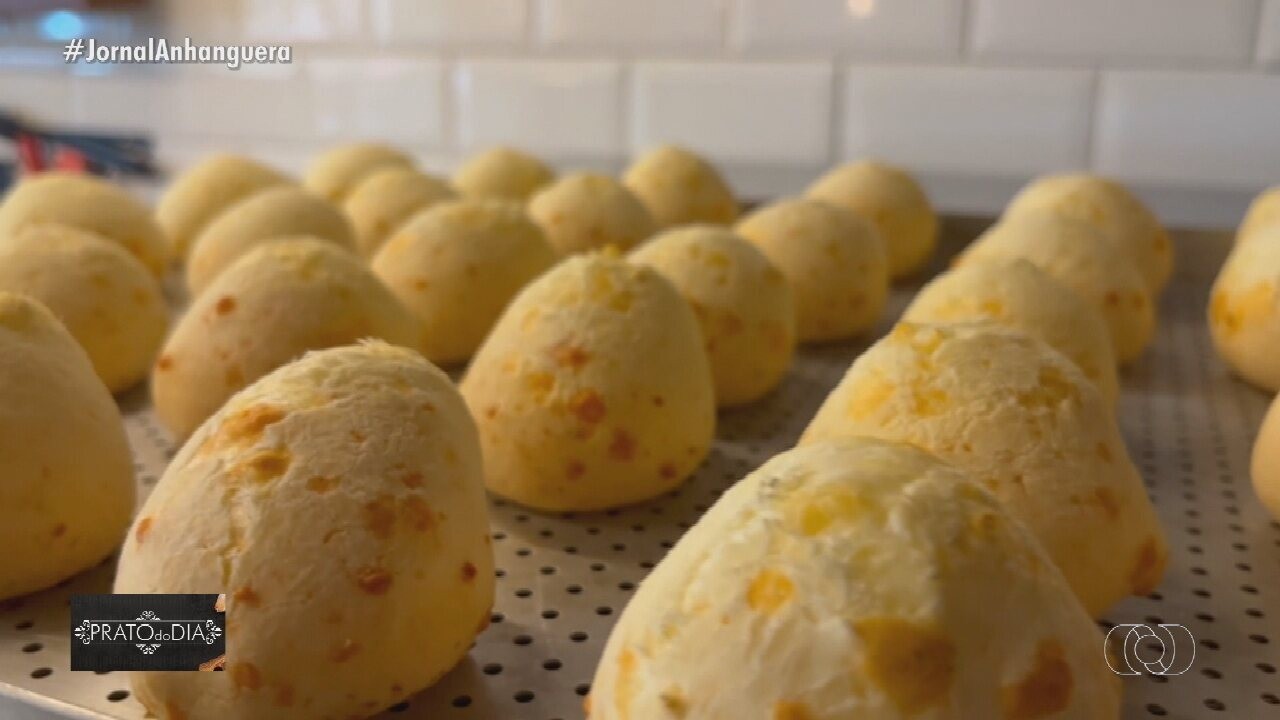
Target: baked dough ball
pixel 679 187
pixel 339 503
pixel 1080 257
pixel 1244 310
pixel 388 197
pixel 1266 461
pixel 456 266
pixel 66 479
pixel 262 217
pixel 106 299
pixel 336 172
pixel 502 173
pixel 890 199
pixel 834 260
pixel 1022 420
pixel 1111 208
pixel 1263 214
pixel 1017 294
pixel 855 579
pixel 593 390
pixel 269 307
pixel 588 211
pixel 743 304
pixel 196 196
pixel 86 203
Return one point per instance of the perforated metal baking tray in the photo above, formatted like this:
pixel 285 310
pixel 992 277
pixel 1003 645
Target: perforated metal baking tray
pixel 564 579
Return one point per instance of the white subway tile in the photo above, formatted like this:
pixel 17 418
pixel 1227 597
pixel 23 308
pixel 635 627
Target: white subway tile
pixel 176 152
pixel 125 98
pixel 968 120
pixel 41 96
pixel 653 25
pixel 1218 31
pixel 568 108
pixel 255 101
pixel 1269 34
pixel 203 22
pixel 856 27
pixel 398 99
pixel 1189 128
pixel 449 22
pixel 747 112
pixel 308 21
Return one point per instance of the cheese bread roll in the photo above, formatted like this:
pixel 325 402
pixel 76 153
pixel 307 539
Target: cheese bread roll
pixel 855 579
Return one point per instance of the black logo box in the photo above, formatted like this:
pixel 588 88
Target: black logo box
pixel 160 654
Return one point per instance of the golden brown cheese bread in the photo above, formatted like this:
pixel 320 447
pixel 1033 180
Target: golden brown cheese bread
pixel 86 203
pixel 1021 419
pixel 855 579
pixel 203 191
pixel 1080 257
pixel 589 211
pixel 66 474
pixel 265 216
pixel 1263 214
pixel 456 265
pixel 384 199
pixel 743 304
pixel 336 172
pixel 106 299
pixel 270 306
pixel 893 201
pixel 1244 310
pixel 835 262
pixel 1265 466
pixel 502 173
pixel 679 187
pixel 338 502
pixel 1017 294
pixel 593 390
pixel 1111 208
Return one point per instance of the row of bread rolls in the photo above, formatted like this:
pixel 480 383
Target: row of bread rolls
pixel 339 503
pixel 92 255
pixel 1244 321
pixel 1011 495
pixel 596 387
pixel 804 269
pixel 855 578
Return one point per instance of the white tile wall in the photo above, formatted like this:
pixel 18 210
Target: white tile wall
pixel 558 107
pixel 1180 96
pixel 1269 35
pixel 129 98
pixel 302 21
pixel 1190 128
pixel 627 25
pixel 397 99
pixel 751 112
pixel 972 120
pixel 254 102
pixel 852 27
pixel 1210 31
pixel 466 23
pixel 40 96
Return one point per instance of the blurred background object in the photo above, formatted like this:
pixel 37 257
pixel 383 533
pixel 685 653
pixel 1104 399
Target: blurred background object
pixel 1179 98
